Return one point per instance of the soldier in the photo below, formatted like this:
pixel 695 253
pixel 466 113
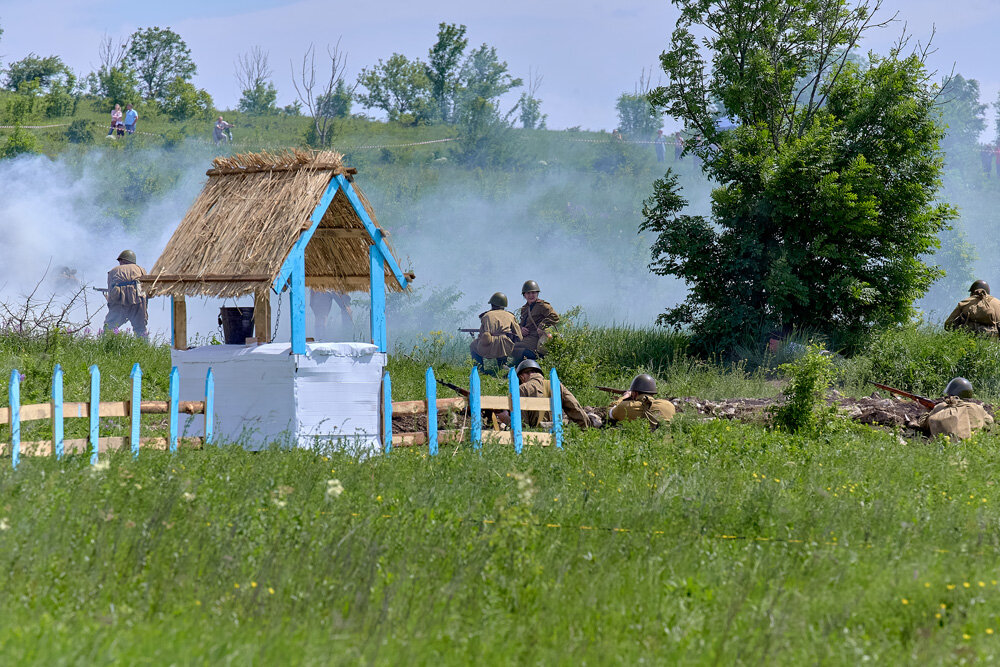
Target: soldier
pixel 980 313
pixel 498 333
pixel 640 402
pixel 954 417
pixel 536 317
pixel 126 300
pixel 534 385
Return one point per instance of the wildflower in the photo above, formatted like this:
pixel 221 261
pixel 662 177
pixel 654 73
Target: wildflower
pixel 270 590
pixel 905 601
pixel 197 603
pixel 253 584
pixel 280 504
pixel 188 496
pixel 333 488
pixel 964 635
pixel 982 584
pixel 989 631
pixel 965 584
pixel 937 615
pixel 950 587
pixel 4 524
pixel 100 466
pixel 236 585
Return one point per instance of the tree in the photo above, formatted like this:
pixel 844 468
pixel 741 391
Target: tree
pixel 482 126
pixel 399 87
pixel 320 98
pixel 636 116
pixel 826 189
pixel 962 116
pixel 442 68
pixel 113 82
pixel 182 101
pixel 253 73
pixel 531 107
pixel 46 72
pixel 485 76
pixel 159 56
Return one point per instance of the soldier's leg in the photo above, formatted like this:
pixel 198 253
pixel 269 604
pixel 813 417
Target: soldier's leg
pixel 477 358
pixel 523 347
pixel 137 316
pixel 115 318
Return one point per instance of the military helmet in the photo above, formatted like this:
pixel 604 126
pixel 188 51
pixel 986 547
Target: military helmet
pixel 528 365
pixel 959 387
pixel 643 384
pixel 498 300
pixel 530 286
pixel 980 284
pixel 127 255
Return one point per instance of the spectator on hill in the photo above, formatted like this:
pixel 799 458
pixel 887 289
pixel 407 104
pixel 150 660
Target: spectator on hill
pixel 678 145
pixel 986 157
pixel 116 121
pixel 131 116
pixel 661 146
pixel 221 132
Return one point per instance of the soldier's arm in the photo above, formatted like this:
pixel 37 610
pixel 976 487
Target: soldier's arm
pixel 573 409
pixel 953 318
pixel 515 331
pixel 550 319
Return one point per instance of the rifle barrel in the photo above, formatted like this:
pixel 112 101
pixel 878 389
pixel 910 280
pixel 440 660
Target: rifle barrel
pixel 922 400
pixel 612 390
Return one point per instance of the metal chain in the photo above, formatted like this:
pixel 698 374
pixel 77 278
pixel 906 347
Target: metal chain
pixel 277 318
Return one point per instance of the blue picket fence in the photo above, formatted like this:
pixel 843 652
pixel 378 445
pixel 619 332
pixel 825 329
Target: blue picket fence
pixel 56 409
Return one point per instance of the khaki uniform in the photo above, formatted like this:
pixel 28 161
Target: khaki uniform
pixel 498 333
pixel 538 387
pixel 126 300
pixel 652 409
pixel 979 313
pixel 954 418
pixel 536 318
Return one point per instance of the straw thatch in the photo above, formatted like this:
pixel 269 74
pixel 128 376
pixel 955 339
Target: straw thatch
pixel 241 228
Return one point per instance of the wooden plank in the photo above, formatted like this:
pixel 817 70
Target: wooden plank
pixel 82 445
pixel 40 411
pixel 262 315
pixel 420 407
pixel 417 439
pixel 373 230
pixel 503 403
pixel 312 166
pixel 178 320
pixel 528 437
pixel 205 278
pixel 495 437
pixel 334 233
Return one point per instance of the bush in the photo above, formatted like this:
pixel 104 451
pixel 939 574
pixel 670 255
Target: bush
pixel 19 107
pixel 811 375
pixel 59 103
pixel 19 141
pixel 79 132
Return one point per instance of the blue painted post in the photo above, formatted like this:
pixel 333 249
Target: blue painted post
pixel 432 411
pixel 136 400
pixel 515 410
pixel 557 429
pixel 376 269
pixel 386 413
pixel 374 233
pixel 175 392
pixel 57 410
pixel 475 411
pixel 95 412
pixel 297 299
pixel 14 398
pixel 209 407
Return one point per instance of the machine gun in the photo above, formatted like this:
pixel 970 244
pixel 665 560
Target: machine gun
pixel 922 400
pixel 490 415
pixel 471 332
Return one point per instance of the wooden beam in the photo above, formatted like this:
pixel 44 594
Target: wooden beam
pixel 503 403
pixel 341 233
pixel 82 445
pixel 178 321
pixel 206 278
pixel 262 315
pixel 420 407
pixel 313 166
pixel 372 229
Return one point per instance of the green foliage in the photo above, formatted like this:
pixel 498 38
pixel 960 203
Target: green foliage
pixel 569 351
pixel 399 87
pixel 804 408
pixel 443 68
pixel 182 101
pixel 531 116
pixel 820 221
pixel 337 104
pixel 46 72
pixel 159 57
pixel 962 115
pixel 259 100
pixel 59 103
pixel 79 132
pixel 117 85
pixel 637 117
pixel 19 141
pixel 18 109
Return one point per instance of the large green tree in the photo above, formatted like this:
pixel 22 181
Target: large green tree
pixel 46 72
pixel 398 86
pixel 159 56
pixel 825 202
pixel 444 62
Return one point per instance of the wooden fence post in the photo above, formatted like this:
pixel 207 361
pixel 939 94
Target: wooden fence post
pixel 209 407
pixel 57 410
pixel 386 413
pixel 475 412
pixel 557 429
pixel 136 400
pixel 432 412
pixel 515 410
pixel 95 413
pixel 14 399
pixel 175 391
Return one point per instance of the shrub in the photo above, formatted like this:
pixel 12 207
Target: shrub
pixel 79 132
pixel 810 375
pixel 19 141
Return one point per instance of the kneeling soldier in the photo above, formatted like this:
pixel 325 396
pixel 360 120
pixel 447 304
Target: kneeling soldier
pixel 954 417
pixel 640 402
pixel 498 332
pixel 980 313
pixel 534 385
pixel 537 316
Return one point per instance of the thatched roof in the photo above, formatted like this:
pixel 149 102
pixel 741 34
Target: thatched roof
pixel 241 228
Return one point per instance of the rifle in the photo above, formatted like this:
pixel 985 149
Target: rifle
pixel 922 400
pixel 471 332
pixel 102 290
pixel 491 415
pixel 611 390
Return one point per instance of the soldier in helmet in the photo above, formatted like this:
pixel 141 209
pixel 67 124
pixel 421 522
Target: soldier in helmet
pixel 498 333
pixel 980 313
pixel 536 318
pixel 640 402
pixel 126 299
pixel 534 385
pixel 954 416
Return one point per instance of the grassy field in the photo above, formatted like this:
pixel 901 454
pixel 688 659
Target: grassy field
pixel 708 542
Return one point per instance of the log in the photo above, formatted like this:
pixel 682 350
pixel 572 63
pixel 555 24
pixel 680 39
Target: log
pixel 420 407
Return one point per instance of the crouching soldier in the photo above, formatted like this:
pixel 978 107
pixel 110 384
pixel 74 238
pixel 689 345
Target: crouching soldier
pixel 534 385
pixel 126 299
pixel 640 402
pixel 980 313
pixel 956 418
pixel 498 333
pixel 536 318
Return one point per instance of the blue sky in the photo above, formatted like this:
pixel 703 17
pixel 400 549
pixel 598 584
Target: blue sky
pixel 588 52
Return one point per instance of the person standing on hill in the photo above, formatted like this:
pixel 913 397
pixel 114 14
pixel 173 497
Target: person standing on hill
pixel 660 143
pixel 126 299
pixel 534 385
pixel 131 118
pixel 498 333
pixel 678 145
pixel 980 313
pixel 955 417
pixel 640 402
pixel 116 120
pixel 536 318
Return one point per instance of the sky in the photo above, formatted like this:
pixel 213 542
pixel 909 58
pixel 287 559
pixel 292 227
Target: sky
pixel 587 52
